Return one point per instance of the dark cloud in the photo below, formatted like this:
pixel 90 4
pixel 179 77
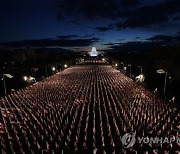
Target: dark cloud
pixel 104 29
pixel 130 2
pixel 109 44
pixel 131 13
pixel 166 39
pixel 112 44
pixel 67 37
pixel 65 41
pixel 162 38
pixel 131 46
pixel 176 18
pixel 149 15
pixel 153 42
pixel 54 50
pixel 89 35
pixel 91 9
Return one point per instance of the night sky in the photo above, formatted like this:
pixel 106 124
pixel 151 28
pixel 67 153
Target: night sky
pixel 114 25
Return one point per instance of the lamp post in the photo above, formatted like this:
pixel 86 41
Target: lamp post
pixel 65 66
pixel 70 63
pixel 57 66
pixel 140 68
pixel 122 64
pixel 53 68
pixel 46 70
pixel 5 91
pixel 161 71
pixel 130 69
pixel 9 76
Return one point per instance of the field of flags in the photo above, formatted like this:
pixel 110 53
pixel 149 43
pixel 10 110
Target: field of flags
pixel 85 109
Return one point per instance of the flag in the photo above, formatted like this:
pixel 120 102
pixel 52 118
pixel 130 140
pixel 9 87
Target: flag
pixel 8 75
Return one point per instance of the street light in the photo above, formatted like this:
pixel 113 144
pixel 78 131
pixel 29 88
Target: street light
pixel 25 78
pixel 65 66
pixel 140 78
pixel 32 79
pixel 29 79
pixel 9 76
pixel 161 71
pixel 122 64
pixel 57 66
pixel 140 68
pixel 46 70
pixel 130 69
pixel 53 68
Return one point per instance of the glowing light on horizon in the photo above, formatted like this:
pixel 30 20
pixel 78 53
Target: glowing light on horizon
pixel 93 52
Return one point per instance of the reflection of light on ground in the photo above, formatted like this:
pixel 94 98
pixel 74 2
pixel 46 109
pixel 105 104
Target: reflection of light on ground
pixel 93 52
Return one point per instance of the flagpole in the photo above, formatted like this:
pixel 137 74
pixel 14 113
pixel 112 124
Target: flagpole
pixel 5 92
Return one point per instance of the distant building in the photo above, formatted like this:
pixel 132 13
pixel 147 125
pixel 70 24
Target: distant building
pixel 93 52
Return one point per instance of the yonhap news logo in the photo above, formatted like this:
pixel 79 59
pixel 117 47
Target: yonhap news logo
pixel 129 139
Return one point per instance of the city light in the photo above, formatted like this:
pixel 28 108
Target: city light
pixel 65 65
pixel 140 78
pixel 32 79
pixel 25 78
pixel 116 65
pixel 93 52
pixel 53 68
pixel 29 79
pixel 161 71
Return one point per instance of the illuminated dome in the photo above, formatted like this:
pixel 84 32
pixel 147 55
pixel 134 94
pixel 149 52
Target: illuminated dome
pixel 93 52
